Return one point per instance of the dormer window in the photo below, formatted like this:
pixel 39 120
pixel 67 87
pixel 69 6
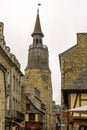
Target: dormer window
pixel 37 93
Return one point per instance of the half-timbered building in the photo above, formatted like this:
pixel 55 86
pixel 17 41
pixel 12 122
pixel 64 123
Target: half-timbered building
pixel 73 65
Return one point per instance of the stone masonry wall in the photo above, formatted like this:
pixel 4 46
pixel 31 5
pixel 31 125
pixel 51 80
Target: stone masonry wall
pixel 74 60
pixel 41 79
pixel 2 101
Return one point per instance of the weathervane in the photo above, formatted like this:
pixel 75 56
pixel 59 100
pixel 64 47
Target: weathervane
pixel 38 7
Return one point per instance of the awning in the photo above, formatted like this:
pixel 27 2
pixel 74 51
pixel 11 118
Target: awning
pixel 81 109
pixel 20 124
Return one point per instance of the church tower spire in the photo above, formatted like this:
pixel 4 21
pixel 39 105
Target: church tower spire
pixel 37 28
pixel 38 53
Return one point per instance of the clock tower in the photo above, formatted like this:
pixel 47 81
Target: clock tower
pixel 38 53
pixel 37 72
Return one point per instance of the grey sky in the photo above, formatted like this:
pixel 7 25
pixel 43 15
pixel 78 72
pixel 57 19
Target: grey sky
pixel 60 21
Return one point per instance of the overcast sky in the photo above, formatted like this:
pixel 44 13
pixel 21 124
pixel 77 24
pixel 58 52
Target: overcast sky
pixel 60 21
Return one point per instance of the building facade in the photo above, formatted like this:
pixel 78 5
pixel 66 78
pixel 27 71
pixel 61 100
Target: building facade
pixel 33 107
pixel 73 65
pixel 10 87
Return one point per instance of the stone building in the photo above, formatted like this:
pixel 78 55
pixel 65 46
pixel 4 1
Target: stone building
pixel 38 74
pixel 10 87
pixel 73 65
pixel 34 109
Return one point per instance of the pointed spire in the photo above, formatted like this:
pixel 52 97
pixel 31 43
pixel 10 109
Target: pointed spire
pixel 37 28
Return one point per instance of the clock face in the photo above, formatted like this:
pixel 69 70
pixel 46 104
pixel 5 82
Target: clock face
pixel 44 78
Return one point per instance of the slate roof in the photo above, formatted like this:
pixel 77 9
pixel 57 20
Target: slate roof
pixel 37 28
pixel 80 83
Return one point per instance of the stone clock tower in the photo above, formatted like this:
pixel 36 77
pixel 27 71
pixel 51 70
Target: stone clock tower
pixel 38 53
pixel 37 72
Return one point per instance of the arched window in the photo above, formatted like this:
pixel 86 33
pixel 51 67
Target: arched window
pixel 36 41
pixel 40 41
